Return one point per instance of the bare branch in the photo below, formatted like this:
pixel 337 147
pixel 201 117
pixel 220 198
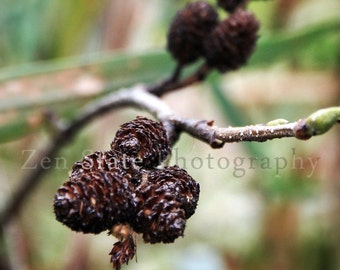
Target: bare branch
pixel 216 137
pixel 315 124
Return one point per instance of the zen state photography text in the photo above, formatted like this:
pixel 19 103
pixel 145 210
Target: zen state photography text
pixel 239 166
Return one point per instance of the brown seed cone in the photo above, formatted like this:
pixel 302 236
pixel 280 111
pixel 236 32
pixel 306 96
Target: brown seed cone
pixel 160 219
pixel 97 161
pixel 189 28
pixel 107 161
pixel 231 5
pixel 164 202
pixel 142 142
pixel 122 252
pixel 231 43
pixel 179 183
pixel 94 201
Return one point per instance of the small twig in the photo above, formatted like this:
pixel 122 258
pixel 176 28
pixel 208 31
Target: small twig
pixel 316 124
pixel 174 77
pixel 216 137
pixel 165 83
pixel 171 85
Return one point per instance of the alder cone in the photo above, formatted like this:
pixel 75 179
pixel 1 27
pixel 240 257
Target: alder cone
pixel 231 43
pixel 164 202
pixel 142 142
pixel 94 202
pixel 178 182
pixel 107 161
pixel 97 161
pixel 231 5
pixel 188 29
pixel 160 218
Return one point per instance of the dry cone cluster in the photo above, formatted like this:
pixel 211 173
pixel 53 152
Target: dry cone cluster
pixel 196 31
pixel 122 191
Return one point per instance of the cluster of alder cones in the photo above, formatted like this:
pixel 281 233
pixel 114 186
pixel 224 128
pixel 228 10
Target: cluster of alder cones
pixel 197 31
pixel 123 190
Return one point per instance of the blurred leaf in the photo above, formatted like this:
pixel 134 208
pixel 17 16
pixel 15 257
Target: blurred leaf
pixel 111 65
pixel 38 29
pixel 16 129
pixel 313 47
pixel 65 83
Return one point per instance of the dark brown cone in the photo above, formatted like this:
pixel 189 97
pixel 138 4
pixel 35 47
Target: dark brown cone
pixel 107 161
pixel 94 201
pixel 231 5
pixel 160 219
pixel 164 202
pixel 142 142
pixel 122 252
pixel 189 28
pixel 178 182
pixel 97 161
pixel 231 43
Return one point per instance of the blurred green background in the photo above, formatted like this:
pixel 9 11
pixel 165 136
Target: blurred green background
pixel 273 205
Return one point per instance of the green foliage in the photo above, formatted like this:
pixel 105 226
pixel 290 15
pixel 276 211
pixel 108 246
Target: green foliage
pixel 113 72
pixel 37 29
pixel 314 47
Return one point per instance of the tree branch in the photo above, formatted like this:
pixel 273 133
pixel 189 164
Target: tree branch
pixel 315 124
pixel 138 96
